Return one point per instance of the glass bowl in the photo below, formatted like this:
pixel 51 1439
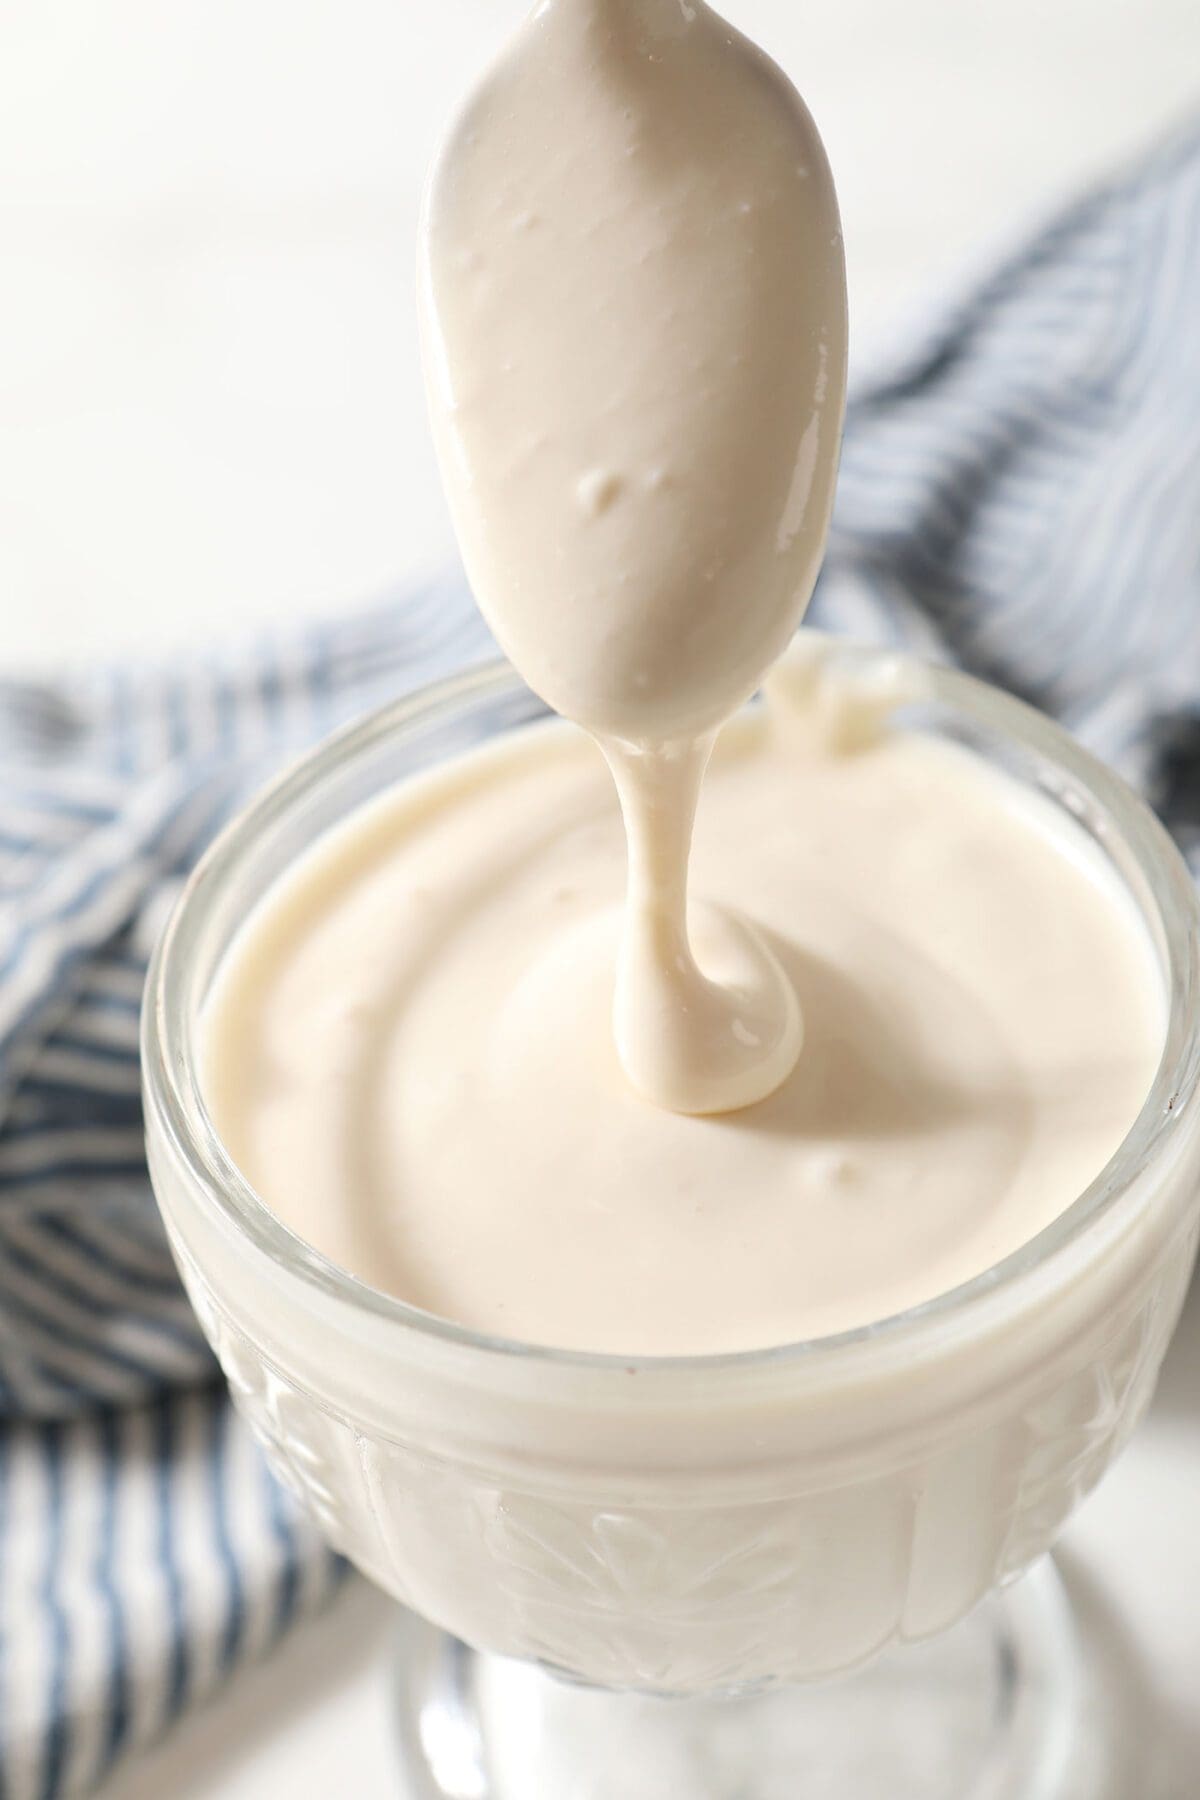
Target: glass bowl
pixel 707 1527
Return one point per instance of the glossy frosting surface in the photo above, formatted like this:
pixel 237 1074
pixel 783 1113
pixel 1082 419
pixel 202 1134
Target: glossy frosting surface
pixel 409 1050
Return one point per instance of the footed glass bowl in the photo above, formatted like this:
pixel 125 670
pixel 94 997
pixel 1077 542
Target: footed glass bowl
pixel 688 1540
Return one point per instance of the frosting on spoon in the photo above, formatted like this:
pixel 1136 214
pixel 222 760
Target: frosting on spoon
pixel 635 326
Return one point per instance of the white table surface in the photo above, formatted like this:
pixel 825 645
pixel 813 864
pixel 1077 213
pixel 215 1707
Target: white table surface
pixel 210 415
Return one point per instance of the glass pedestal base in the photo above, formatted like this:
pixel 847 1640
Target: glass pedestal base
pixel 989 1711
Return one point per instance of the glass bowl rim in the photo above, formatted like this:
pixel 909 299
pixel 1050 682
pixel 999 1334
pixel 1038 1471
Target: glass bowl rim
pixel 175 1104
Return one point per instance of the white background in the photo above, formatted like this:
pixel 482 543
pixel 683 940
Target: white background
pixel 210 414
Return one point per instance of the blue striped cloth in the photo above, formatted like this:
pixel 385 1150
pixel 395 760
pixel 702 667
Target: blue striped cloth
pixel 145 1550
pixel 1020 493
